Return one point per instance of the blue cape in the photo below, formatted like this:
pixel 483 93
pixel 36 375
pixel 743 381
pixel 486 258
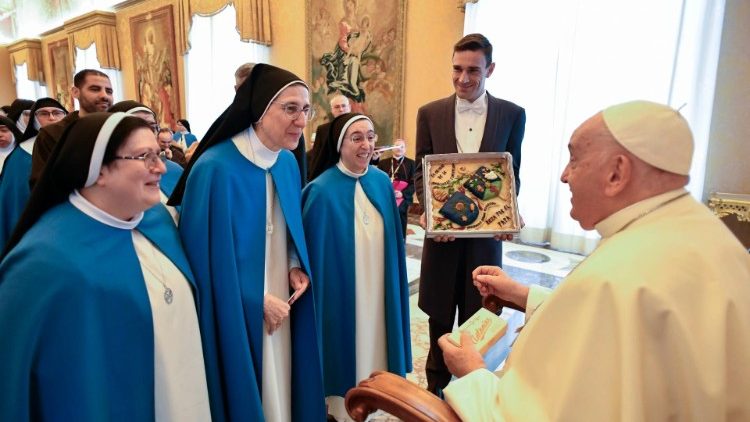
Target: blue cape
pixel 75 318
pixel 170 178
pixel 328 214
pixel 189 138
pixel 14 191
pixel 223 230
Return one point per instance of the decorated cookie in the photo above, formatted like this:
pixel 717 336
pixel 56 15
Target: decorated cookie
pixel 484 184
pixel 460 209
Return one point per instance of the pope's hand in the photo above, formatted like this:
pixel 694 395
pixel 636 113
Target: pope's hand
pixel 491 280
pixel 461 360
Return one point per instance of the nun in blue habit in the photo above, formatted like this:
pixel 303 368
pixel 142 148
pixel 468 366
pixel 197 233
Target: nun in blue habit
pixel 9 138
pixel 97 309
pixel 358 262
pixel 174 170
pixel 15 174
pixel 241 225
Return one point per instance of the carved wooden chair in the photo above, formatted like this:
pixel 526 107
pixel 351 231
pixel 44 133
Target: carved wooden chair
pixel 402 398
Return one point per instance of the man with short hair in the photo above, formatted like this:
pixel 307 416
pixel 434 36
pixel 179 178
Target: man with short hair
pixel 654 324
pixel 170 148
pixel 400 168
pixel 242 73
pixel 469 121
pixel 93 90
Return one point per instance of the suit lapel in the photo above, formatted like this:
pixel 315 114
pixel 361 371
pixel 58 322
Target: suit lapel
pixel 490 125
pixel 449 128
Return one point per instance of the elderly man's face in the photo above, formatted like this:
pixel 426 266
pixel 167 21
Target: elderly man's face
pixel 586 173
pixel 401 150
pixel 340 105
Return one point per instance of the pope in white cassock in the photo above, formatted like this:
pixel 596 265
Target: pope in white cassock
pixel 241 225
pixel 654 324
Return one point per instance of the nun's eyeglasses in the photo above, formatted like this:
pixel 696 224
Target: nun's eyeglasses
pixel 48 114
pixel 150 159
pixel 293 111
pixel 358 137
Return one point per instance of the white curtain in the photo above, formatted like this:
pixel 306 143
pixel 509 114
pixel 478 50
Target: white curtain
pixel 28 89
pixel 578 56
pixel 215 53
pixel 86 59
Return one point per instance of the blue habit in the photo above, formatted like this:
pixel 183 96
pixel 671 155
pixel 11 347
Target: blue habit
pixel 170 178
pixel 14 191
pixel 75 319
pixel 328 215
pixel 223 228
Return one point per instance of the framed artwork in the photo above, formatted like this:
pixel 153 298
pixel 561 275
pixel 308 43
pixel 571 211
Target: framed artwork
pixel 155 64
pixel 470 195
pixel 356 48
pixel 62 73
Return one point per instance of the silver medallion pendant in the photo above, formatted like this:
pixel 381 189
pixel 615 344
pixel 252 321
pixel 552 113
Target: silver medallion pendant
pixel 168 296
pixel 366 219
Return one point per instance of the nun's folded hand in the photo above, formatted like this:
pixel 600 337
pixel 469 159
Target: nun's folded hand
pixel 275 311
pixel 298 281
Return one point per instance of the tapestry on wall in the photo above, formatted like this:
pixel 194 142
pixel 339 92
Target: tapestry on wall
pixel 62 73
pixel 155 64
pixel 356 48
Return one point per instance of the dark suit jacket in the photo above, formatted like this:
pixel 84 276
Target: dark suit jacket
pixel 436 134
pixel 404 172
pixel 44 144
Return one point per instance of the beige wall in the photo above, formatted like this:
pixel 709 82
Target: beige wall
pixel 432 27
pixel 729 138
pixel 7 89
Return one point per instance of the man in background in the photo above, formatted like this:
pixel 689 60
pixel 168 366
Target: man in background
pixel 93 90
pixel 171 149
pixel 400 168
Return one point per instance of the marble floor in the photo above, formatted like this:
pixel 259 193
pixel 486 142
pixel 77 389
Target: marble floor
pixel 525 263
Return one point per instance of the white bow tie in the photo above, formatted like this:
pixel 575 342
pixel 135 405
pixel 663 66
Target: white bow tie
pixel 476 107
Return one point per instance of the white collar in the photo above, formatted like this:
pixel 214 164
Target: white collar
pixel 620 219
pixel 28 145
pixel 251 147
pixel 100 215
pixel 350 173
pixel 7 150
pixel 482 99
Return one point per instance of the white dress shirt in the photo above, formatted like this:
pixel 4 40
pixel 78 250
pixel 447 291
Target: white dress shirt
pixel 470 120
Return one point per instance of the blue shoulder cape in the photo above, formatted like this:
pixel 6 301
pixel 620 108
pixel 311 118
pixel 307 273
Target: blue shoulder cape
pixel 170 178
pixel 14 191
pixel 223 230
pixel 75 318
pixel 328 215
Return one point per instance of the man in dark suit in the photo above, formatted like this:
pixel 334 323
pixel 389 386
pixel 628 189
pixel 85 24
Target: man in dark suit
pixel 469 121
pixel 401 169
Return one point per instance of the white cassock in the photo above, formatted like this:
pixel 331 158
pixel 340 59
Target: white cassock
pixel 653 325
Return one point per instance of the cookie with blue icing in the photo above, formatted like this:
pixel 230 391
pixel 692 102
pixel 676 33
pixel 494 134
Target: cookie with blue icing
pixel 460 209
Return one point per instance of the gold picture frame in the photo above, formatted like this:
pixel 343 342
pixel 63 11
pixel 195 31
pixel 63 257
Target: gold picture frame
pixel 155 64
pixel 62 73
pixel 470 195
